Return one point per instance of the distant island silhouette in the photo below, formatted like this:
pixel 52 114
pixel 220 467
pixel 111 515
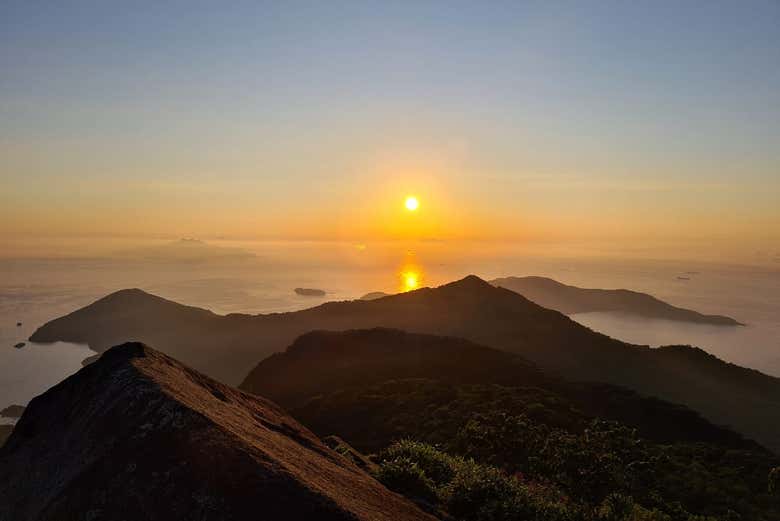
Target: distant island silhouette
pixel 12 411
pixel 374 295
pixel 187 250
pixel 310 292
pixel 567 299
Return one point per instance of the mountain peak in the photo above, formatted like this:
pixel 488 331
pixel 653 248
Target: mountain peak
pixel 530 279
pixel 128 351
pixel 138 435
pixel 469 282
pixel 127 293
pixel 127 296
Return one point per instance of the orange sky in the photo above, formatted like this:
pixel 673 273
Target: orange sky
pixel 529 122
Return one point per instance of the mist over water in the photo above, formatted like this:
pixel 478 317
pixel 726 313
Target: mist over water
pixel 260 278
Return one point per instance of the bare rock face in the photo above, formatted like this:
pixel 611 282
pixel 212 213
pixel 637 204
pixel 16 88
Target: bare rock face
pixel 137 435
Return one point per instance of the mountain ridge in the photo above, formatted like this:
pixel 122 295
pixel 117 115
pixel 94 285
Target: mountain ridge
pixel 138 435
pixel 321 363
pixel 228 347
pixel 569 299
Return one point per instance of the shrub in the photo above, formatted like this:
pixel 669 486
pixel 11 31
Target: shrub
pixel 501 439
pixel 436 465
pixel 467 490
pixel 405 476
pixel 774 481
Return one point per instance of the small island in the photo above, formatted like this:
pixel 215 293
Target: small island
pixel 374 295
pixel 12 411
pixel 310 292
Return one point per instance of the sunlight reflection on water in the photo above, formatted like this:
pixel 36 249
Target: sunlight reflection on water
pixel 411 275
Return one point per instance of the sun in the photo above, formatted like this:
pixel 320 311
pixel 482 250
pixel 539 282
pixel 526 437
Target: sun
pixel 411 280
pixel 412 203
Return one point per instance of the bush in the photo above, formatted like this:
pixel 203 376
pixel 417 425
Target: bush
pixel 436 465
pixel 501 439
pixel 593 465
pixel 466 490
pixel 477 493
pixel 405 476
pixel 774 481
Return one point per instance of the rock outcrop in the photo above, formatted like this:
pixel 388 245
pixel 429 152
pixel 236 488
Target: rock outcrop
pixel 137 435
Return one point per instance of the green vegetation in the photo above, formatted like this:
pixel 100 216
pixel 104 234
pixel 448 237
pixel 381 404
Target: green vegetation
pixel 469 491
pixel 490 452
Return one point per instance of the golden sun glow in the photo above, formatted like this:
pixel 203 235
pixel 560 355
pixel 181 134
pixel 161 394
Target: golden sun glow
pixel 411 280
pixel 412 203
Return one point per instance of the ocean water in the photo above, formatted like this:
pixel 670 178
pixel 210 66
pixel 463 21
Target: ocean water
pixel 261 277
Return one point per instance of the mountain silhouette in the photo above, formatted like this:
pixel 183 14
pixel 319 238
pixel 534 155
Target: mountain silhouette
pixel 228 347
pixel 322 363
pixel 137 435
pixel 373 295
pixel 325 361
pixel 567 299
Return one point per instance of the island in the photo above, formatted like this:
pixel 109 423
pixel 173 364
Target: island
pixel 374 295
pixel 310 292
pixel 567 299
pixel 12 411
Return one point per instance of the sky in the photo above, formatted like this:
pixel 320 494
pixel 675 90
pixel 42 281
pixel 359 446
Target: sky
pixel 621 122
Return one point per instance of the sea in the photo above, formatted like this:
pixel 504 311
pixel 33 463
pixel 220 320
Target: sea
pixel 260 277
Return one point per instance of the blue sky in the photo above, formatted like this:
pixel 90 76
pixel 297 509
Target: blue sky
pixel 523 116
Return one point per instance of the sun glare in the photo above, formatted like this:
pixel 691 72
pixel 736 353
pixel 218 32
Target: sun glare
pixel 411 280
pixel 412 203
